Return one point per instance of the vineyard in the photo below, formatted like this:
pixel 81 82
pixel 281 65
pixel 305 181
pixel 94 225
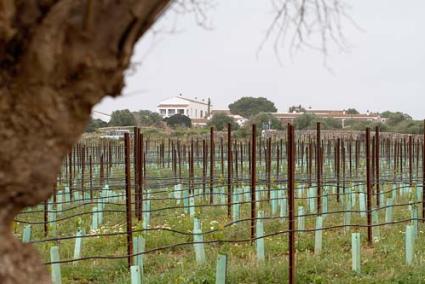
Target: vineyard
pixel 288 206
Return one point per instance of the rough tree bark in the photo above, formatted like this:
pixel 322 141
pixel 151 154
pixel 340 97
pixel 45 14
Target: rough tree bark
pixel 57 58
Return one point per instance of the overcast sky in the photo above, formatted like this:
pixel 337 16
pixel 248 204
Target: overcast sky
pixel 384 68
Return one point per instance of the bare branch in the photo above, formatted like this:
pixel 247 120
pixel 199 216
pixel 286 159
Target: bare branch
pixel 312 24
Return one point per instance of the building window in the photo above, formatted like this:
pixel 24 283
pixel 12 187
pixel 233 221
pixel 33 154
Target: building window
pixel 202 114
pixel 196 113
pixel 171 112
pixel 180 111
pixel 163 111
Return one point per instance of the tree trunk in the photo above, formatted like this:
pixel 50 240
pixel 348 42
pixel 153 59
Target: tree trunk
pixel 57 59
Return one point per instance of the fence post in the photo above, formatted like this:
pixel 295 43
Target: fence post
pixel 253 180
pixel 128 199
pixel 291 199
pixel 369 188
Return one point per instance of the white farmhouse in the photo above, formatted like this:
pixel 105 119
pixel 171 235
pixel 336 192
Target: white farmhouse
pixel 193 108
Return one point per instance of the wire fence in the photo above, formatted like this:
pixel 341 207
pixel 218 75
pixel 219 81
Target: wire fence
pixel 202 193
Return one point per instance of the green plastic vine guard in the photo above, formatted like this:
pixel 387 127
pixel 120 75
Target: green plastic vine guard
pixel 221 269
pixel 198 241
pixel 56 270
pixel 259 232
pixel 355 250
pixel 318 235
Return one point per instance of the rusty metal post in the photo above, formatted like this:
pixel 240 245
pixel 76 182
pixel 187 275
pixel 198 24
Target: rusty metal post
pixel 350 158
pixel 204 166
pixel 337 167
pixel 83 167
pixel 102 175
pixel 410 160
pixel 70 177
pixel 191 170
pixel 212 156
pixel 229 170
pixel 46 226
pixel 343 165
pixel 318 169
pixel 236 162
pixel 136 156
pixel 277 163
pixel 253 180
pixel 141 175
pixel 377 149
pixel 400 159
pixel 372 170
pixel 369 189
pixel 310 162
pixel 128 199
pixel 423 175
pixel 241 160
pixel 222 156
pixel 91 177
pixel 269 167
pixel 179 155
pixel 291 205
pixel 357 152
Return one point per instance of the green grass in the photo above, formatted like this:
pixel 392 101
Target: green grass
pixel 382 263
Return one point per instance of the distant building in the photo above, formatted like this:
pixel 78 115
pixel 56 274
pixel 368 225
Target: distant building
pixel 115 132
pixel 341 115
pixel 193 108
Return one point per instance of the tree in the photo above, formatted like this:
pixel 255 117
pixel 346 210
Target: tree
pixel 220 120
pixel 331 123
pixel 122 118
pixel 147 118
pixel 299 108
pixel 249 106
pixel 409 126
pixel 305 121
pixel 393 118
pixel 263 120
pixel 178 120
pixel 95 124
pixel 351 111
pixel 58 59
